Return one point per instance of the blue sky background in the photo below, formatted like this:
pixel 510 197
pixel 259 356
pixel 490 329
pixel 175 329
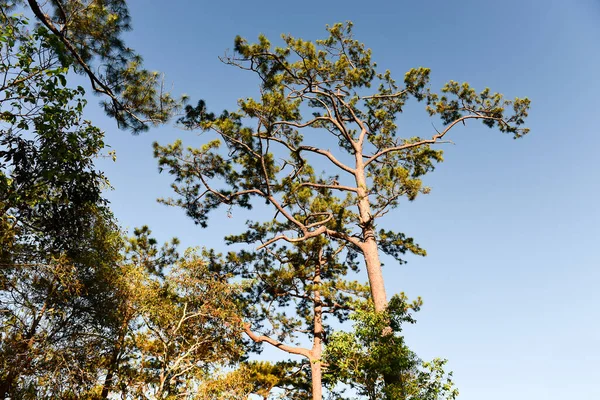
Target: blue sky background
pixel 511 227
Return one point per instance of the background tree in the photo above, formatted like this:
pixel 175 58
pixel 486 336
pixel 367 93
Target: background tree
pixel 87 35
pixel 47 179
pixel 58 241
pixel 75 301
pixel 180 323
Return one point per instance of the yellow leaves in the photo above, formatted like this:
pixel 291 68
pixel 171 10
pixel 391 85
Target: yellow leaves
pixel 206 147
pixel 112 18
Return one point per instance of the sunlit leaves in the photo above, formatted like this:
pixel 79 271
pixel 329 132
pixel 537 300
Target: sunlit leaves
pixel 375 348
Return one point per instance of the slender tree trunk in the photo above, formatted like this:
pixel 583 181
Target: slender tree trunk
pixel 6 384
pixel 114 360
pixel 315 370
pixel 317 349
pixel 112 368
pixel 108 381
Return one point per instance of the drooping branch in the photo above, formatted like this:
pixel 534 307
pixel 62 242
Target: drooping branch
pixel 97 84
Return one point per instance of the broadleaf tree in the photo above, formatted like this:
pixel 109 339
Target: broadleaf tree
pixel 82 315
pixel 58 241
pixel 362 358
pixel 179 323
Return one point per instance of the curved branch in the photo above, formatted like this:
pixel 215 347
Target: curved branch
pixel 307 235
pixel 434 138
pixel 263 338
pixel 312 149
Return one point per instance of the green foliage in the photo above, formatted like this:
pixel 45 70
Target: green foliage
pixel 314 96
pixel 86 35
pixel 58 312
pixel 85 312
pixel 284 287
pixel 375 349
pixel 291 295
pixel 58 242
pixel 309 90
pixel 291 379
pixel 47 179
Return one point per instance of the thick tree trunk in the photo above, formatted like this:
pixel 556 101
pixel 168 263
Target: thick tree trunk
pixel 369 247
pixel 371 254
pixel 315 370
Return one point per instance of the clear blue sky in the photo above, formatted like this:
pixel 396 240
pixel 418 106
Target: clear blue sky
pixel 512 228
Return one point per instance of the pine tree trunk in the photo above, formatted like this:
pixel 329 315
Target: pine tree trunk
pixel 369 247
pixel 371 255
pixel 317 349
pixel 316 373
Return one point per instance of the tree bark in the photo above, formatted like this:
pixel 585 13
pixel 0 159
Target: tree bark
pixel 317 349
pixel 316 373
pixel 369 245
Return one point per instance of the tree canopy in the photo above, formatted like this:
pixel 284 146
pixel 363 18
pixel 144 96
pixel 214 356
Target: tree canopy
pixel 311 93
pixel 89 313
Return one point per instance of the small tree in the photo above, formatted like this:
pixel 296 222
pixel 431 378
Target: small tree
pixel 179 322
pixel 363 357
pixel 291 291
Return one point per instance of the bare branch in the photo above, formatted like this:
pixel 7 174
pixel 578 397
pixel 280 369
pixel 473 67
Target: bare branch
pixel 263 338
pixel 324 186
pixel 434 138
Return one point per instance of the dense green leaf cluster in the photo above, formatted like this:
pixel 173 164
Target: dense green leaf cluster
pixel 47 179
pixel 362 357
